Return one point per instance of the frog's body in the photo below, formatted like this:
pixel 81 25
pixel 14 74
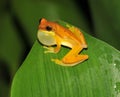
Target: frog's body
pixel 51 33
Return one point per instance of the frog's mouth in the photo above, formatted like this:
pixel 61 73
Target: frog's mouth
pixel 46 37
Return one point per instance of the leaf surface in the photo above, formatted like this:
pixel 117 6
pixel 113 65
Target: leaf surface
pixel 96 77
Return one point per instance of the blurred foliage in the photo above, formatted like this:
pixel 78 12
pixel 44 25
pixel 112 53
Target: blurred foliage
pixel 106 20
pixel 19 23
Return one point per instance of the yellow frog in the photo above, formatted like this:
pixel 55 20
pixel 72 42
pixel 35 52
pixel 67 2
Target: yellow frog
pixel 51 33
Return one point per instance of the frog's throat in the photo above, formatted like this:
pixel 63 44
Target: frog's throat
pixel 46 37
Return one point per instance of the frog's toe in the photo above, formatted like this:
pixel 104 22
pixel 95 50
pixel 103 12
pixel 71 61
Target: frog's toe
pixel 57 61
pixel 49 49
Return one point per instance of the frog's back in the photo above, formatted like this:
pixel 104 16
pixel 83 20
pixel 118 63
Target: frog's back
pixel 78 34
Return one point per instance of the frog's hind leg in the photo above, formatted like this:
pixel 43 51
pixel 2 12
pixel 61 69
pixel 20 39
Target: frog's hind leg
pixel 79 34
pixel 72 58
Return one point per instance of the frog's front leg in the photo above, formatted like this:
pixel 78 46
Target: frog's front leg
pixel 72 58
pixel 58 43
pixel 52 49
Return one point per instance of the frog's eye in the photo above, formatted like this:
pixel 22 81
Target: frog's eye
pixel 48 28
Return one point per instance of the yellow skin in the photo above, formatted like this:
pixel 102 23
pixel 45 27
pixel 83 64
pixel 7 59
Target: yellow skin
pixel 51 33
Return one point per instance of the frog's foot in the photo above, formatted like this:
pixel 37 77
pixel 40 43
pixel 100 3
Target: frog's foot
pixel 74 60
pixel 49 49
pixel 71 61
pixel 57 61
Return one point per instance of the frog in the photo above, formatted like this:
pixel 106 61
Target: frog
pixel 53 35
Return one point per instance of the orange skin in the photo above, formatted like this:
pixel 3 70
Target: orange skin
pixel 69 36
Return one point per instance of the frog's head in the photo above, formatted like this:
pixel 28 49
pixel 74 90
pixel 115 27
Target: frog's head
pixel 46 34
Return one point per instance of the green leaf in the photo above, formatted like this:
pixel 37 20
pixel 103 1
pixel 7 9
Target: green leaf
pixel 96 77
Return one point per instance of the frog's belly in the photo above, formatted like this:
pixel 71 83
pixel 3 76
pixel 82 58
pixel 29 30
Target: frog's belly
pixel 68 43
